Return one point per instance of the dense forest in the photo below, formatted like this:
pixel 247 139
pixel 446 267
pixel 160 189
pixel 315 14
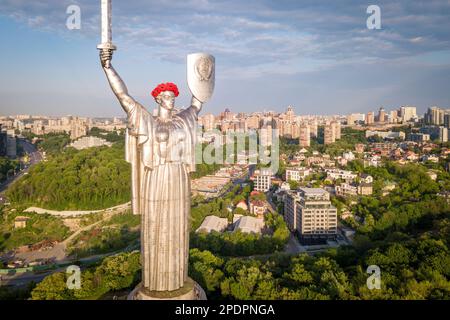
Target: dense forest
pixel 93 178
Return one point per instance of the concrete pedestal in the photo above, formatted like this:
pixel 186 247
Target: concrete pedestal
pixel 190 291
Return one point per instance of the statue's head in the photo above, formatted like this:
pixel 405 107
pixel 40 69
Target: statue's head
pixel 165 94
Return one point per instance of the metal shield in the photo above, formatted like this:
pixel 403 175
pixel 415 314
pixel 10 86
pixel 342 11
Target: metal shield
pixel 201 75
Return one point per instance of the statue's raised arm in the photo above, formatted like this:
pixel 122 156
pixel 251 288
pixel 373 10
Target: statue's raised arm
pixel 117 85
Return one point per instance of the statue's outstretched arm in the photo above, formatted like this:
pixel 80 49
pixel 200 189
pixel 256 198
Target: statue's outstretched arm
pixel 197 104
pixel 117 85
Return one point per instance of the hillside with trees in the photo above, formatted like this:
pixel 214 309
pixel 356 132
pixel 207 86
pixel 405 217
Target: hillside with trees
pixel 94 178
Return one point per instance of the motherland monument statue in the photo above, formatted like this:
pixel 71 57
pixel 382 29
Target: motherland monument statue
pixel 161 150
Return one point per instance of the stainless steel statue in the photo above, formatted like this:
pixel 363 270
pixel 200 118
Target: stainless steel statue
pixel 161 152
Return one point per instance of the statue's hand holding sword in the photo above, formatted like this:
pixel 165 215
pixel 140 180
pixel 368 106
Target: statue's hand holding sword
pixel 106 47
pixel 200 66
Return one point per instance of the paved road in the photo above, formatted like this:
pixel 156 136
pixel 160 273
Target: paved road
pixel 35 157
pixel 73 213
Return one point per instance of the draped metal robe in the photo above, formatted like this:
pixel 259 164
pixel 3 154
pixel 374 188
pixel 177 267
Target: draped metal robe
pixel 161 192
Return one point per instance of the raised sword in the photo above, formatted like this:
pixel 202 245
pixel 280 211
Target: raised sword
pixel 106 14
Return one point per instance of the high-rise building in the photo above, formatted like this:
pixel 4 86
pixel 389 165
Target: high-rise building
pixel 382 115
pixel 370 118
pixel 407 113
pixel 78 128
pixel 393 116
pixel 290 114
pixel 337 130
pixel 305 135
pixel 266 131
pixel 436 133
pixel 443 134
pixel 435 116
pixel 38 127
pixel 355 117
pixel 311 214
pixel 11 144
pixel 295 130
pixel 3 142
pixel 263 179
pixel 290 210
pixel 314 128
pixel 329 135
pixel 208 122
pixel 447 120
pixel 350 119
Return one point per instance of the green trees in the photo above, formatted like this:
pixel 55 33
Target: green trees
pixel 120 271
pixel 206 268
pixel 7 167
pixel 93 178
pixel 53 143
pixel 53 287
pixel 293 184
pixel 107 135
pixel 114 273
pixel 244 244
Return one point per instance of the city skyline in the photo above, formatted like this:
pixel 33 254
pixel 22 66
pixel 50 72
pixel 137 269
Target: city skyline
pixel 316 56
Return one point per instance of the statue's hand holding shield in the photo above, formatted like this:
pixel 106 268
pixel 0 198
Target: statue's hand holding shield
pixel 201 75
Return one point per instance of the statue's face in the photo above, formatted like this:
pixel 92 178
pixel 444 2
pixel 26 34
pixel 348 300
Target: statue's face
pixel 166 99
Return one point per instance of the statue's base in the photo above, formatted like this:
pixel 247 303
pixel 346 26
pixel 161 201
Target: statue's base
pixel 190 291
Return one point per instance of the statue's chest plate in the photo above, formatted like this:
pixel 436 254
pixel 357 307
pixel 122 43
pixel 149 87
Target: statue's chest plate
pixel 170 137
pixel 169 132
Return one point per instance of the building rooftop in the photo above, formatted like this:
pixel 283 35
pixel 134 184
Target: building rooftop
pixel 21 218
pixel 313 191
pixel 213 223
pixel 249 224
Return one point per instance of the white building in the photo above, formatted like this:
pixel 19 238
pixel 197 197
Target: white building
pixel 89 142
pixel 408 113
pixel 263 180
pixel 340 174
pixel 297 174
pixel 310 213
pixel 346 189
pixel 349 156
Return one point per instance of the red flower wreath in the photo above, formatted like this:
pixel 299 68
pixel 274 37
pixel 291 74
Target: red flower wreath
pixel 169 86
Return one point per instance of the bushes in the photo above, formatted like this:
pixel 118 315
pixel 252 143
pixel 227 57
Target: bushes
pixel 39 227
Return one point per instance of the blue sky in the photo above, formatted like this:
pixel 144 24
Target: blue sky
pixel 316 55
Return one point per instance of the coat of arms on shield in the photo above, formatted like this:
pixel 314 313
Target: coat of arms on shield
pixel 201 75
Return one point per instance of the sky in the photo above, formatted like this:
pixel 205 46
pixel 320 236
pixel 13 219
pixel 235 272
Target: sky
pixel 318 56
